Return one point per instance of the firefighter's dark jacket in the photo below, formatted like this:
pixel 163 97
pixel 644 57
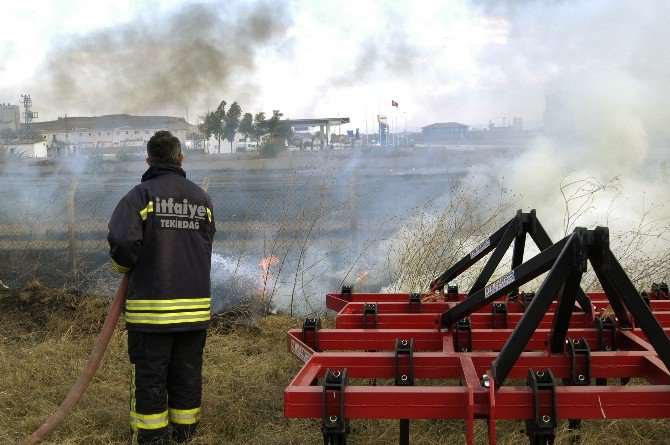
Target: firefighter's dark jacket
pixel 161 234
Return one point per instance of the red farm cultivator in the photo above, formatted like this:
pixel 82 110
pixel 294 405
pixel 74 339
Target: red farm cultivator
pixel 539 357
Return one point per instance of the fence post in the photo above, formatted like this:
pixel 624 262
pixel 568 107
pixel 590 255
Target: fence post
pixel 352 212
pixel 205 183
pixel 72 242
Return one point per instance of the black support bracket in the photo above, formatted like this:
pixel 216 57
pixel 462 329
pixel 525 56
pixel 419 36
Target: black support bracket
pixel 541 429
pixel 499 314
pixel 334 427
pixel 404 362
pixel 581 373
pixel 369 310
pixel 660 290
pixel 452 292
pixel 606 324
pixel 645 297
pixel 463 335
pixel 527 298
pixel 404 376
pixel 310 331
pixel 414 302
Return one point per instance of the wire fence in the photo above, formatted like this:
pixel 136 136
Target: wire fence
pixel 283 237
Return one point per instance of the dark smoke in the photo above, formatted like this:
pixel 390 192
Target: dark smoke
pixel 388 53
pixel 191 56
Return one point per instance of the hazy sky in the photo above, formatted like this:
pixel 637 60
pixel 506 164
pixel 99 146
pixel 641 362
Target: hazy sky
pixel 457 60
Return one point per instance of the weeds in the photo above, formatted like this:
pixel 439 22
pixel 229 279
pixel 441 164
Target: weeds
pixel 245 372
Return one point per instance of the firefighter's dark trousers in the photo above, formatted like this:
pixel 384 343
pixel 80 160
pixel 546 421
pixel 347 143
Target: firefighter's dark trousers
pixel 165 385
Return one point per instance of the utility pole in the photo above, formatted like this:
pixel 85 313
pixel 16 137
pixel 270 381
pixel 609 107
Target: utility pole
pixel 379 113
pixel 366 123
pixel 28 115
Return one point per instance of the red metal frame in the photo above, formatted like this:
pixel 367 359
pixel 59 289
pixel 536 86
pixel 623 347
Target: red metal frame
pixel 348 346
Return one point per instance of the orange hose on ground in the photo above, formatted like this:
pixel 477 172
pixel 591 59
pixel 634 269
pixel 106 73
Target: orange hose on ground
pixel 89 370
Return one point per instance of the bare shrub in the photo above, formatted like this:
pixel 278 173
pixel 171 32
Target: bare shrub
pixel 444 232
pixel 640 241
pixel 446 229
pixel 579 195
pixel 271 148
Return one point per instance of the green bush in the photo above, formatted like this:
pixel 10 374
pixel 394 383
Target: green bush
pixel 271 148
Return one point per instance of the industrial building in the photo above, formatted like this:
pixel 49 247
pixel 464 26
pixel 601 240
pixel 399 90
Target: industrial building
pixel 9 117
pixel 116 131
pixel 445 132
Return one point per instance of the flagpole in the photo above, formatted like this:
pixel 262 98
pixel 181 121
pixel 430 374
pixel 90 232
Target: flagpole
pixel 405 114
pixel 395 127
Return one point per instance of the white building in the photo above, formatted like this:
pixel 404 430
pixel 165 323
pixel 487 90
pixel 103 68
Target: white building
pixel 239 144
pixel 244 144
pixel 110 131
pixel 33 148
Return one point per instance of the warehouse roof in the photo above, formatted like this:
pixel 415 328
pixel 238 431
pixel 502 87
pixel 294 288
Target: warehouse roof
pixel 445 125
pixel 109 122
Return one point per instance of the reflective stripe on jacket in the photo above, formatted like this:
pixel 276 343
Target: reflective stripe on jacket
pixel 161 234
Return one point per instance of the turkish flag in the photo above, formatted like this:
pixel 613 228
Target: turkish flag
pixel 394 103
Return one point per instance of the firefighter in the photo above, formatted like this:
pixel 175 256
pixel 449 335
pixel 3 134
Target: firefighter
pixel 161 235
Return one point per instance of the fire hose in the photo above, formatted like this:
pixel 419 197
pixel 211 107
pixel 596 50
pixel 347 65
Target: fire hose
pixel 79 388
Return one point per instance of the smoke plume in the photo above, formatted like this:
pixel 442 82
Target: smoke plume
pixel 387 50
pixel 596 71
pixel 191 56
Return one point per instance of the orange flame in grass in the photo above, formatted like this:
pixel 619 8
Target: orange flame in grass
pixel 362 276
pixel 265 265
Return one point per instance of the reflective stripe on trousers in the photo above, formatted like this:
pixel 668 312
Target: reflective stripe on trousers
pixel 144 421
pixel 184 416
pixel 148 421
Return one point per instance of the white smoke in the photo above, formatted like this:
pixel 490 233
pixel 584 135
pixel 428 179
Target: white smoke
pixel 599 69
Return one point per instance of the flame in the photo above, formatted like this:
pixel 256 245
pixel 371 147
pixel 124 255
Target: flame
pixel 265 265
pixel 362 276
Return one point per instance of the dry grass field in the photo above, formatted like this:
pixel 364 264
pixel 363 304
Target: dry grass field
pixel 46 335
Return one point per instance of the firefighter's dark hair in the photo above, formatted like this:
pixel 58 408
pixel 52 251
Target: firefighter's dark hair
pixel 164 148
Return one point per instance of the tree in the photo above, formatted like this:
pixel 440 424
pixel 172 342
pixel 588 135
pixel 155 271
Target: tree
pixel 260 126
pixel 208 126
pixel 197 139
pixel 232 121
pixel 7 134
pixel 278 132
pixel 247 125
pixel 277 128
pixel 219 119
